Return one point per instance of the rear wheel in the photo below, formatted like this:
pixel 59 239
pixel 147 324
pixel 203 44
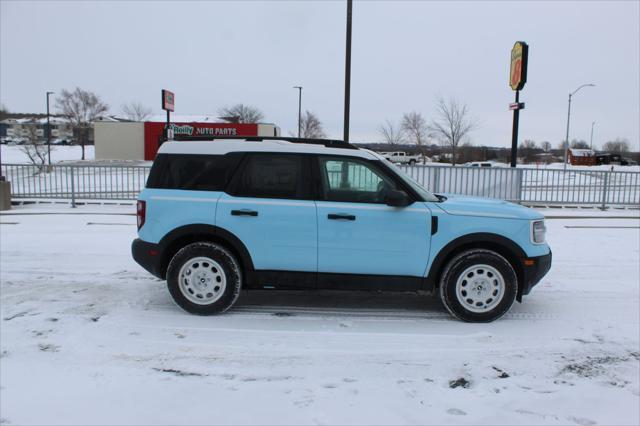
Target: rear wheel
pixel 478 286
pixel 204 278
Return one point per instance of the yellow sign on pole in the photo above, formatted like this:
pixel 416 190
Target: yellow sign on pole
pixel 518 71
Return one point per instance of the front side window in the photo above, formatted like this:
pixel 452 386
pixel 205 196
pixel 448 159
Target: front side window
pixel 352 180
pixel 274 176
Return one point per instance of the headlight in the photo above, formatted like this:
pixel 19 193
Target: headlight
pixel 538 231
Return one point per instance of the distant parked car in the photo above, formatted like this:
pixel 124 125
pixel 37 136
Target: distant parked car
pixel 59 141
pixel 480 164
pixel 401 157
pixel 625 161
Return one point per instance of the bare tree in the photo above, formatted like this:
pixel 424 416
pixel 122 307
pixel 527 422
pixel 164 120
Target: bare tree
pixel 34 148
pixel 241 113
pixel 136 111
pixel 528 149
pixel 81 107
pixel 576 144
pixel 415 129
pixel 467 151
pixel 311 126
pixel 391 133
pixel 546 146
pixel 3 112
pixel 617 146
pixel 452 124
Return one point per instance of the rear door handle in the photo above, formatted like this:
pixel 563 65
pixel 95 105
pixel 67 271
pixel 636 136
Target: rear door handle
pixel 244 212
pixel 341 216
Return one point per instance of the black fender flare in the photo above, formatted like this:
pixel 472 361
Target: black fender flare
pixel 500 244
pixel 178 237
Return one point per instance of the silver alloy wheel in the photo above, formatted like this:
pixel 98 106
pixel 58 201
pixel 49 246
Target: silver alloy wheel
pixel 202 280
pixel 480 288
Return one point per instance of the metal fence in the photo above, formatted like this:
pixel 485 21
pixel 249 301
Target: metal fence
pixel 76 182
pixel 527 186
pixel 495 182
pixel 532 186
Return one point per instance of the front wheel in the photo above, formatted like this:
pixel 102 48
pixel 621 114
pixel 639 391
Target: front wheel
pixel 478 286
pixel 204 278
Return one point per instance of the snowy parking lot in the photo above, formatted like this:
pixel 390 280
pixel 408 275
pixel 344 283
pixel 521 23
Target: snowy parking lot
pixel 88 337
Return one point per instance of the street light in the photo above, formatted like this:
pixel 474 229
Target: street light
pixel 566 141
pixel 593 123
pixel 347 73
pixel 299 108
pixel 48 130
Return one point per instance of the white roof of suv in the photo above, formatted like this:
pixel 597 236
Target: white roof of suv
pixel 224 146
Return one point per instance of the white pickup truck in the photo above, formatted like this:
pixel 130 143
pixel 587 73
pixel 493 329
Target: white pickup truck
pixel 401 157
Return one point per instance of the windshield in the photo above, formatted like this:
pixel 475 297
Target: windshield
pixel 426 195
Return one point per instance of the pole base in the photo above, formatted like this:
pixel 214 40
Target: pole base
pixel 5 195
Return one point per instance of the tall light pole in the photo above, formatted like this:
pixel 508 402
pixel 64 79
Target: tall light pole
pixel 593 123
pixel 566 141
pixel 48 131
pixel 347 73
pixel 299 108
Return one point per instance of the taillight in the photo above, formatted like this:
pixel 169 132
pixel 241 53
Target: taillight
pixel 141 213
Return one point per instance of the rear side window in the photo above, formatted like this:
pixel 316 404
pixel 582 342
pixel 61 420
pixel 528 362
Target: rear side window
pixel 274 176
pixel 192 172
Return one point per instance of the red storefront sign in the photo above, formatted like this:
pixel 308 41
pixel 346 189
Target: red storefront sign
pixel 168 100
pixel 153 133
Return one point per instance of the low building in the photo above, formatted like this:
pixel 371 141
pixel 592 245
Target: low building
pixel 608 158
pixel 25 127
pixel 133 140
pixel 546 158
pixel 582 157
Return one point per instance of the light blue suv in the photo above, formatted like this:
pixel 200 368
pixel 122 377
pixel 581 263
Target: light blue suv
pixel 219 216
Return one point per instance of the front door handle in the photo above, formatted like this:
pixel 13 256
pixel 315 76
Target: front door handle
pixel 340 216
pixel 244 212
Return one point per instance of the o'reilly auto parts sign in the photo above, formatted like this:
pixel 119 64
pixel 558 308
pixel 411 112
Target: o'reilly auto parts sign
pixel 186 130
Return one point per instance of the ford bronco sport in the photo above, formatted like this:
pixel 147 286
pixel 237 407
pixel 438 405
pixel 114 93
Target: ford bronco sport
pixel 219 216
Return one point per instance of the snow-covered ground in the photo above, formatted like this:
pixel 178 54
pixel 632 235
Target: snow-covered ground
pixel 602 167
pixel 13 154
pixel 88 337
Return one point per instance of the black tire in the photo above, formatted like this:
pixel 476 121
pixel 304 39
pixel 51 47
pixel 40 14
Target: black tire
pixel 229 266
pixel 470 259
pixel 412 162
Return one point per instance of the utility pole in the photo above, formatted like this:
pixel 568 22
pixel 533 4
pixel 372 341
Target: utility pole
pixel 514 130
pixel 347 73
pixel 566 141
pixel 299 108
pixel 593 123
pixel 48 130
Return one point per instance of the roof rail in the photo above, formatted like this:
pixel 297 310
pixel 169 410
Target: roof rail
pixel 329 143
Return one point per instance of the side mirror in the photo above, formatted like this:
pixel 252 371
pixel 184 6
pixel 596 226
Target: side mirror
pixel 396 198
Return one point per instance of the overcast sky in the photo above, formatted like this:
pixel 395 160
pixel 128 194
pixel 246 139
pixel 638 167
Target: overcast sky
pixel 214 53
